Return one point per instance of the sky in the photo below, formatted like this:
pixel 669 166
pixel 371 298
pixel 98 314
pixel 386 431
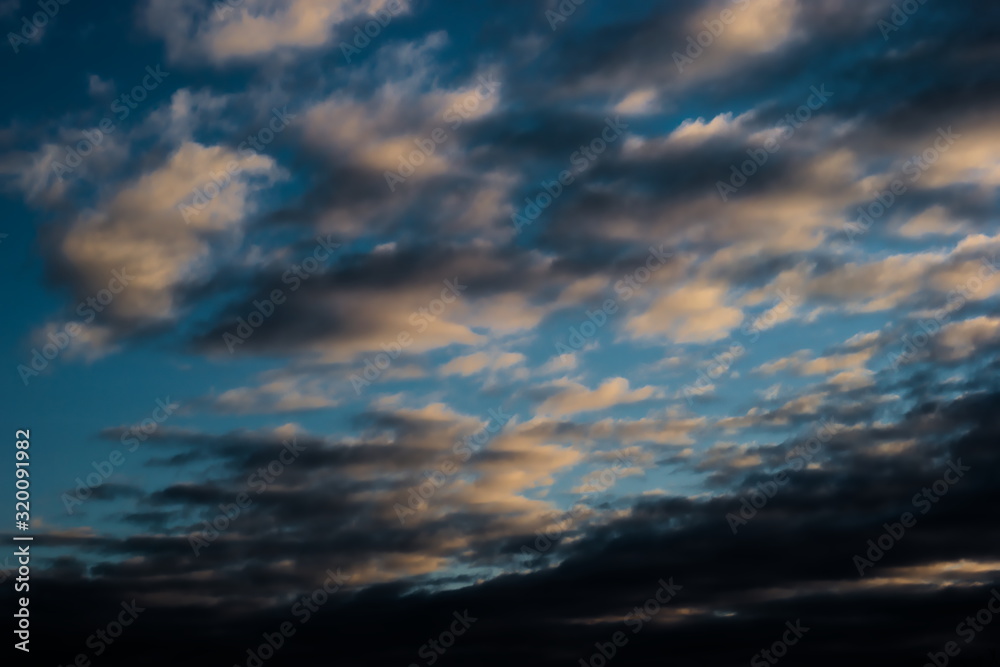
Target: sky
pixel 398 332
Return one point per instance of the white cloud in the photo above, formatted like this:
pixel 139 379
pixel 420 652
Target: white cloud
pixel 230 30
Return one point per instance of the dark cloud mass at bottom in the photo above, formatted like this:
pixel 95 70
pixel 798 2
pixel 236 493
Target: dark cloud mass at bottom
pixel 793 561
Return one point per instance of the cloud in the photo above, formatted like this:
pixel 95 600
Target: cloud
pixel 802 365
pixel 470 474
pixel 641 101
pixel 253 29
pixel 695 312
pixel 631 550
pixel 961 340
pixel 934 220
pixel 274 397
pixel 480 361
pixel 571 397
pixel 140 231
